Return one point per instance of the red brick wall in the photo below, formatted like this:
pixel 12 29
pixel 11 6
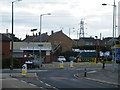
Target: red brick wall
pixel 6 50
pixel 47 59
pixel 66 42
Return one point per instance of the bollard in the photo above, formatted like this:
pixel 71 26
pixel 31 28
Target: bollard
pixel 85 72
pixel 71 64
pixel 61 64
pixel 103 64
pixel 95 60
pixel 24 70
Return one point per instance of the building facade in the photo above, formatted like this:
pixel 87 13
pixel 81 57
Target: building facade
pixel 32 50
pixel 5 46
pixel 62 40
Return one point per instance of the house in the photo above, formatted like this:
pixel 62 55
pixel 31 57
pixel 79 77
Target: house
pixel 108 41
pixel 85 41
pixel 5 46
pixel 60 40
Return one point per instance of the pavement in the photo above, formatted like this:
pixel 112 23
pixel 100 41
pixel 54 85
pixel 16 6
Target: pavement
pixel 11 81
pixel 107 75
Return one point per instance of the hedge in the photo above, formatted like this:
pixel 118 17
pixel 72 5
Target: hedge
pixel 7 61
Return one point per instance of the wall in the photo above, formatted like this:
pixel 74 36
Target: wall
pixel 60 37
pixel 6 49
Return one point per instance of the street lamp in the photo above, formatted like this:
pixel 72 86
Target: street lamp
pixel 41 29
pixel 32 30
pixel 114 30
pixel 11 66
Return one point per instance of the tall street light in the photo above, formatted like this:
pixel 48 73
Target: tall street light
pixel 114 31
pixel 41 30
pixel 32 30
pixel 11 66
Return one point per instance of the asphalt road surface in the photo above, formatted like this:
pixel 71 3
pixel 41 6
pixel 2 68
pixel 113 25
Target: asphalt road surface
pixel 65 79
pixel 62 78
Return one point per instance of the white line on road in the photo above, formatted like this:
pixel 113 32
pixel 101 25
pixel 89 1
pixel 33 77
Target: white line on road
pixel 23 81
pixel 32 84
pixel 47 85
pixel 41 81
pixel 91 71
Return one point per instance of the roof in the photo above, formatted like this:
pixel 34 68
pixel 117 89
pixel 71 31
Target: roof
pixel 59 32
pixel 4 38
pixel 88 39
pixel 44 38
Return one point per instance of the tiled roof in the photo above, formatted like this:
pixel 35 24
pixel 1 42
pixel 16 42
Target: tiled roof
pixel 44 38
pixel 59 32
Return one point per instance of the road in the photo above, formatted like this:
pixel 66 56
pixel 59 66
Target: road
pixel 61 78
pixel 65 79
pixel 57 79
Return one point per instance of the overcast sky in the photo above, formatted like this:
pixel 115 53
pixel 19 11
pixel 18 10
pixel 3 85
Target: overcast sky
pixel 65 14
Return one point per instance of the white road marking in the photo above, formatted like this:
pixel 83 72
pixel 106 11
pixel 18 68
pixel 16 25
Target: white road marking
pixel 41 81
pixel 47 85
pixel 32 84
pixel 91 71
pixel 23 81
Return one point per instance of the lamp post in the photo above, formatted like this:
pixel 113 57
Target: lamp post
pixel 11 66
pixel 97 49
pixel 32 30
pixel 114 31
pixel 41 29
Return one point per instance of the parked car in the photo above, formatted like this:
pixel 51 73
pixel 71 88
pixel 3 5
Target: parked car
pixel 61 58
pixel 36 63
pixel 33 63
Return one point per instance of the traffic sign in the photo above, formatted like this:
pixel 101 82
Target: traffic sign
pixel 24 69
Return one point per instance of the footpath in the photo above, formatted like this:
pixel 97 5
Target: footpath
pixel 10 82
pixel 107 75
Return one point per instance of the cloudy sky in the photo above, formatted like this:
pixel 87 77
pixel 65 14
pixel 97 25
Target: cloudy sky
pixel 65 15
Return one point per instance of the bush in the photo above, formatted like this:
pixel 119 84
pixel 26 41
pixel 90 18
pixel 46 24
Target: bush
pixel 7 61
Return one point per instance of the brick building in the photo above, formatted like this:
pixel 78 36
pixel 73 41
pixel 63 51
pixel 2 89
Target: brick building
pixel 5 44
pixel 61 40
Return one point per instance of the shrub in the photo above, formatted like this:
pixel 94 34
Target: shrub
pixel 7 61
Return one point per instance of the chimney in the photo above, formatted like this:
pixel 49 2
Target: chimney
pixel 27 35
pixel 33 34
pixel 6 31
pixel 39 33
pixel 36 34
pixel 52 32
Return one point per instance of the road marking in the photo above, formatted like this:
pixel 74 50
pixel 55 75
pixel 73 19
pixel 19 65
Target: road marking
pixel 47 85
pixel 91 71
pixel 37 70
pixel 58 78
pixel 23 81
pixel 32 84
pixel 55 88
pixel 41 81
pixel 14 79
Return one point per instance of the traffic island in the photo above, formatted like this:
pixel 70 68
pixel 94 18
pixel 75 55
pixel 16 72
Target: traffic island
pixel 19 75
